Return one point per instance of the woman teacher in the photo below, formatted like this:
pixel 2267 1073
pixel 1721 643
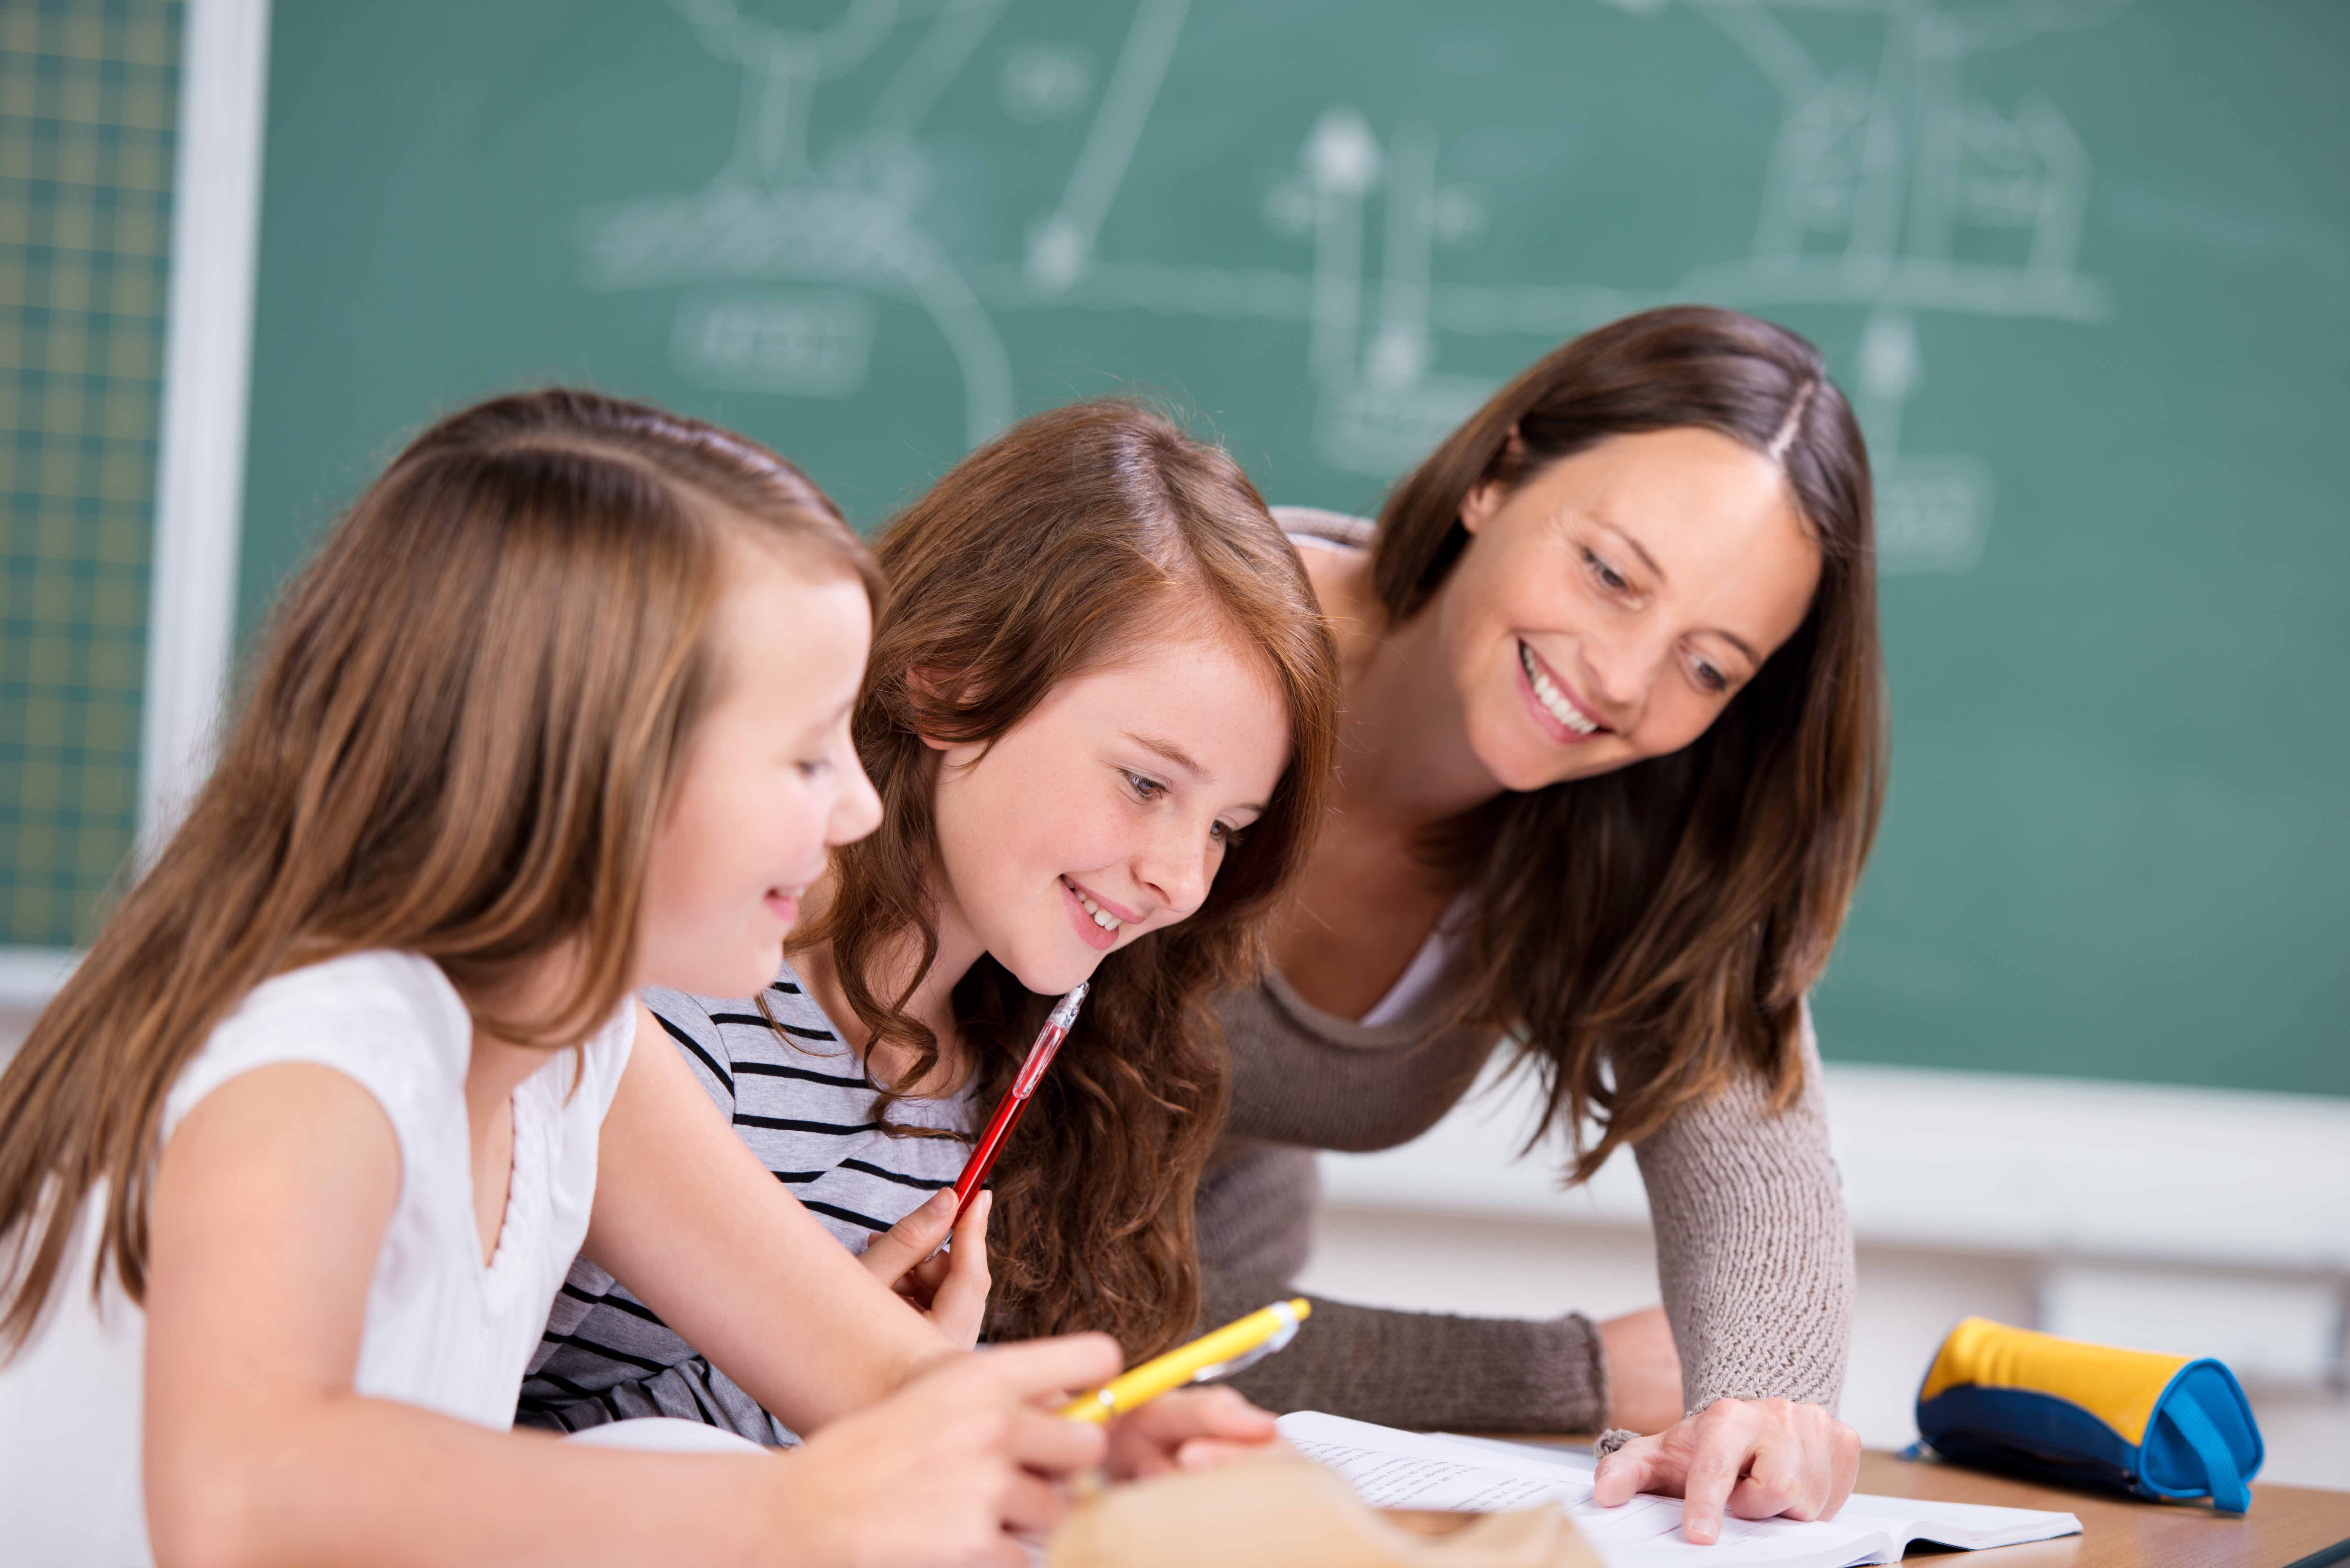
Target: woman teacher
pixel 1612 754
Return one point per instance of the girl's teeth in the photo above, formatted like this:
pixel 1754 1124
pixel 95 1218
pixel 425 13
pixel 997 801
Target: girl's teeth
pixel 1101 917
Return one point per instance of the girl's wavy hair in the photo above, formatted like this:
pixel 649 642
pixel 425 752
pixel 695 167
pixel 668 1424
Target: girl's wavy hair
pixel 1649 932
pixel 464 726
pixel 1052 550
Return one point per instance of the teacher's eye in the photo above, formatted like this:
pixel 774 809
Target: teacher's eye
pixel 1223 834
pixel 1143 785
pixel 1606 577
pixel 813 767
pixel 1708 678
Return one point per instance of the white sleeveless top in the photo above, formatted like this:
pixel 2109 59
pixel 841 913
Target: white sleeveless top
pixel 442 1330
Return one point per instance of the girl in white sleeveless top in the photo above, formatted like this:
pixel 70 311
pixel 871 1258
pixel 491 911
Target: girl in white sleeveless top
pixel 292 1168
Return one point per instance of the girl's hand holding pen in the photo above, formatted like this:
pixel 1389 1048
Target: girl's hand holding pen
pixel 945 1471
pixel 1190 1429
pixel 948 1287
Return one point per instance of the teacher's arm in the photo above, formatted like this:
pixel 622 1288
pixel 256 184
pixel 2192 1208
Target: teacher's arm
pixel 1413 1369
pixel 1755 1256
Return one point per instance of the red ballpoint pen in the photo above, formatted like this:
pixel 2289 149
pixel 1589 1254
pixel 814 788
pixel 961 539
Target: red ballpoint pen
pixel 1007 1115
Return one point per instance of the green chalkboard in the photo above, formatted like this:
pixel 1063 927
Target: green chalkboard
pixel 2083 266
pixel 90 95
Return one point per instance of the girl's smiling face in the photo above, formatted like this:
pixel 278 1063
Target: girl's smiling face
pixel 1609 607
pixel 771 779
pixel 1105 812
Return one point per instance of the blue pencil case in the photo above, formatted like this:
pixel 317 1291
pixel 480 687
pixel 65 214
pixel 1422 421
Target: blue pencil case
pixel 2168 1426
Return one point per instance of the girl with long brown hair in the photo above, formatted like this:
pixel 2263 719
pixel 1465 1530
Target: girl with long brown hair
pixel 1612 753
pixel 293 1164
pixel 1099 715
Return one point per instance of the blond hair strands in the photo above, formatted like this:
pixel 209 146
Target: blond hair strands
pixel 1049 552
pixel 1649 931
pixel 465 721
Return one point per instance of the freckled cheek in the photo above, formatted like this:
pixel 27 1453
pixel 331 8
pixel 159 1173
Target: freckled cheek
pixel 1084 839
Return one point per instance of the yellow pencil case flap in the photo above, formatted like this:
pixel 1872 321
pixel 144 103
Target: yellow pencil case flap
pixel 2158 1425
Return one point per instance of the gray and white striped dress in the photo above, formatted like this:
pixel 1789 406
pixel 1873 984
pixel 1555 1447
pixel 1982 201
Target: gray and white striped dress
pixel 798 1097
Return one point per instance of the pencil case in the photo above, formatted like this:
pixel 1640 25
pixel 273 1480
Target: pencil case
pixel 2057 1409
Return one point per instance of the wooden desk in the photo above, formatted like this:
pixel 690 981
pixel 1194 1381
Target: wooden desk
pixel 2288 1527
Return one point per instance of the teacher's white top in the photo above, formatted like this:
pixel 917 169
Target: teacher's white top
pixel 442 1330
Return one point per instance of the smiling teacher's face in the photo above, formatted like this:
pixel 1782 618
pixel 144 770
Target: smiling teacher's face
pixel 1610 607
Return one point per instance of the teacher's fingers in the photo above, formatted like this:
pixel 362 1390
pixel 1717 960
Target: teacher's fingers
pixel 1843 1468
pixel 1779 1478
pixel 1722 1445
pixel 1803 1466
pixel 1638 1467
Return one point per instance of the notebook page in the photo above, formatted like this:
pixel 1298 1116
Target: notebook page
pixel 1433 1468
pixel 1389 1468
pixel 1971 1525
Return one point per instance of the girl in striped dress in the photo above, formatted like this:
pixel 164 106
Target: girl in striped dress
pixel 1098 713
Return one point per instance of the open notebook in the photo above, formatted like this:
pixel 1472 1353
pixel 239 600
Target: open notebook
pixel 1429 1470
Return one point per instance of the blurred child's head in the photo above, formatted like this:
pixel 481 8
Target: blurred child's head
pixel 1100 714
pixel 563 693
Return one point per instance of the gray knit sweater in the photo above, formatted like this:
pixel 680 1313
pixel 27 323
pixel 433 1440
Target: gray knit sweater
pixel 1755 1256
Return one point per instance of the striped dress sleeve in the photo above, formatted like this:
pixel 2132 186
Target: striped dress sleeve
pixel 606 1355
pixel 797 1096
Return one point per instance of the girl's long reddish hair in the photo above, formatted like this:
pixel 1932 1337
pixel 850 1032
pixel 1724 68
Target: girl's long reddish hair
pixel 462 731
pixel 1049 552
pixel 1648 932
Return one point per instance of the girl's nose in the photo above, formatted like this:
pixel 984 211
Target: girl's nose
pixel 1175 869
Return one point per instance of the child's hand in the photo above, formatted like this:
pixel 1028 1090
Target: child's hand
pixel 1190 1429
pixel 948 1287
pixel 939 1473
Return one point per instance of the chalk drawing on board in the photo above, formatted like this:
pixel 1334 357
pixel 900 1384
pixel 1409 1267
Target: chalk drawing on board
pixel 812 343
pixel 1889 190
pixel 1892 190
pixel 1379 404
pixel 1041 82
pixel 1061 244
pixel 772 216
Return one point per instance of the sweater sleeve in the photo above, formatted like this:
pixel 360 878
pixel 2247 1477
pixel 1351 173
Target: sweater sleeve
pixel 1398 1368
pixel 1753 1251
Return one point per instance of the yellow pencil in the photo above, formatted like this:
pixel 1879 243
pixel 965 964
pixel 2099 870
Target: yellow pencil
pixel 1228 1349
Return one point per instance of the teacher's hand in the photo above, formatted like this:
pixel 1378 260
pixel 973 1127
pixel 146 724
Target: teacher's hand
pixel 1755 1459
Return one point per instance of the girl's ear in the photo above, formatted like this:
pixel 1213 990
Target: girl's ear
pixel 1479 505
